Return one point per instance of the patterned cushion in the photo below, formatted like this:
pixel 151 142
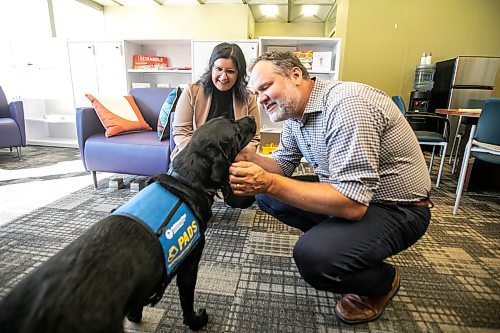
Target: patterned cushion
pixel 168 107
pixel 118 115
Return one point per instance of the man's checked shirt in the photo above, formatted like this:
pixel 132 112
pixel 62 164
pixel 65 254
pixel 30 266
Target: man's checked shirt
pixel 357 140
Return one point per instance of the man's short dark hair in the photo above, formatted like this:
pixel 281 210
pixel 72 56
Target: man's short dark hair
pixel 283 61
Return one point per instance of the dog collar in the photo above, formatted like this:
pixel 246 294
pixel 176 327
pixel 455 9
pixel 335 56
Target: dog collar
pixel 209 191
pixel 169 218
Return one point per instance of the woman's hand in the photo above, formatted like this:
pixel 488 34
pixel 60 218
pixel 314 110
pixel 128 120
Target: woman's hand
pixel 247 178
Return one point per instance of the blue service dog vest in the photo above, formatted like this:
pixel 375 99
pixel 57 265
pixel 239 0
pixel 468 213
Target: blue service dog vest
pixel 169 218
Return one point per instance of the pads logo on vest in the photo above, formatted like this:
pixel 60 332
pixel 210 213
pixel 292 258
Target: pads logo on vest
pixel 176 227
pixel 185 240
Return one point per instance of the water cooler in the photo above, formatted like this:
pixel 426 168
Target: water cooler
pixel 419 101
pixel 424 81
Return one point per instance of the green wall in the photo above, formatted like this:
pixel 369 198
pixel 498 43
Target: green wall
pixel 289 29
pixel 384 39
pixel 215 21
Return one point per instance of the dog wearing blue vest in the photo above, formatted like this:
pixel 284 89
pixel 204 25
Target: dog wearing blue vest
pixel 125 261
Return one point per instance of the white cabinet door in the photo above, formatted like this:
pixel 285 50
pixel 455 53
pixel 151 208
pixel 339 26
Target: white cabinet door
pixel 83 72
pixel 110 68
pixel 97 68
pixel 202 49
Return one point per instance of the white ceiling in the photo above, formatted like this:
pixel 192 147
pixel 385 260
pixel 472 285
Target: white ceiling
pixel 289 11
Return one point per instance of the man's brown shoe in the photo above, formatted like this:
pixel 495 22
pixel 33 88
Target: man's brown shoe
pixel 354 309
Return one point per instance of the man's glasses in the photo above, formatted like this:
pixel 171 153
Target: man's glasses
pixel 219 70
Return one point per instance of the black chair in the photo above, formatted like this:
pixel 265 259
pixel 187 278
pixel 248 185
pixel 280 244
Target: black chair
pixel 431 130
pixel 483 144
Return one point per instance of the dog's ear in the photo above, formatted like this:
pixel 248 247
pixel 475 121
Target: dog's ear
pixel 220 167
pixel 220 172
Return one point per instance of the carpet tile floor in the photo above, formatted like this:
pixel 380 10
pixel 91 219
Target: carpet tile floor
pixel 248 281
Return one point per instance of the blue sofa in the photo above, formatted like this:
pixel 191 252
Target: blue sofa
pixel 136 153
pixel 12 128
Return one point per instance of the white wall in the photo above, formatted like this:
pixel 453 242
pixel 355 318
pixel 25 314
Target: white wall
pixel 225 21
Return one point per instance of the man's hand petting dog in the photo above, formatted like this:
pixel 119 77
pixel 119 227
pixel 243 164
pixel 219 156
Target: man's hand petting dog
pixel 247 178
pixel 121 263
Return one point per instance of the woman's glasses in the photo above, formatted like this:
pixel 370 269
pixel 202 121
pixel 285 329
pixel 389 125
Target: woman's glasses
pixel 219 70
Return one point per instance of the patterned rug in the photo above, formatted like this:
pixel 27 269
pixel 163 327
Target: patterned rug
pixel 248 281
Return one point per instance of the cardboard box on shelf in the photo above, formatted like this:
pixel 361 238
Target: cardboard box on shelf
pixel 305 57
pixel 149 62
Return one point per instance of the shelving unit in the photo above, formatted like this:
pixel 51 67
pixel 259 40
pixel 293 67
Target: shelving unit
pixel 51 76
pixel 160 71
pixel 178 53
pixel 50 122
pixel 43 132
pixel 40 76
pixel 270 132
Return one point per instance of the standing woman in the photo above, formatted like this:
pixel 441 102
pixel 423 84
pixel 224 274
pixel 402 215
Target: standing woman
pixel 221 91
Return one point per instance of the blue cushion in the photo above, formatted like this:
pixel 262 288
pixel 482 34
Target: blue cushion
pixel 486 157
pixel 167 107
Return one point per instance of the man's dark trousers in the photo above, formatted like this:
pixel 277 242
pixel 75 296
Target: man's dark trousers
pixel 343 256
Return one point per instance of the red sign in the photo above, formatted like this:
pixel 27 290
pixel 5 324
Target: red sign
pixel 149 62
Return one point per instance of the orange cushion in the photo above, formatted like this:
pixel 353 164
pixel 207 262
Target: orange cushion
pixel 118 114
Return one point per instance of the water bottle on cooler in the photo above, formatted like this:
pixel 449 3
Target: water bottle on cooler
pixel 424 73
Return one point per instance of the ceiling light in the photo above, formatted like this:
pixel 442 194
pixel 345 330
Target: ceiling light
pixel 180 2
pixel 137 3
pixel 310 10
pixel 270 10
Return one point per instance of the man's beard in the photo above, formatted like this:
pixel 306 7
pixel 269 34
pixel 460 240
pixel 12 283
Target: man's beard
pixel 286 103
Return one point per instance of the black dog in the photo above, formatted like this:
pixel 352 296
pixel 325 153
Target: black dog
pixel 118 266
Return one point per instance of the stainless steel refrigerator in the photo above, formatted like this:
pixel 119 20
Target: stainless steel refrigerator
pixel 460 81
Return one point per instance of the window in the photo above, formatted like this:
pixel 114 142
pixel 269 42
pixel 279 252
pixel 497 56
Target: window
pixel 74 20
pixel 25 19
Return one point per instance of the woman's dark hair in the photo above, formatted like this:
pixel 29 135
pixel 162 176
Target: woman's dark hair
pixel 233 52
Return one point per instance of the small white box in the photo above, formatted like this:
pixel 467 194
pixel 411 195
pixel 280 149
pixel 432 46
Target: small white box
pixel 141 85
pixel 162 85
pixel 322 61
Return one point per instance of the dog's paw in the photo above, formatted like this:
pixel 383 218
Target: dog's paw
pixel 198 320
pixel 135 315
